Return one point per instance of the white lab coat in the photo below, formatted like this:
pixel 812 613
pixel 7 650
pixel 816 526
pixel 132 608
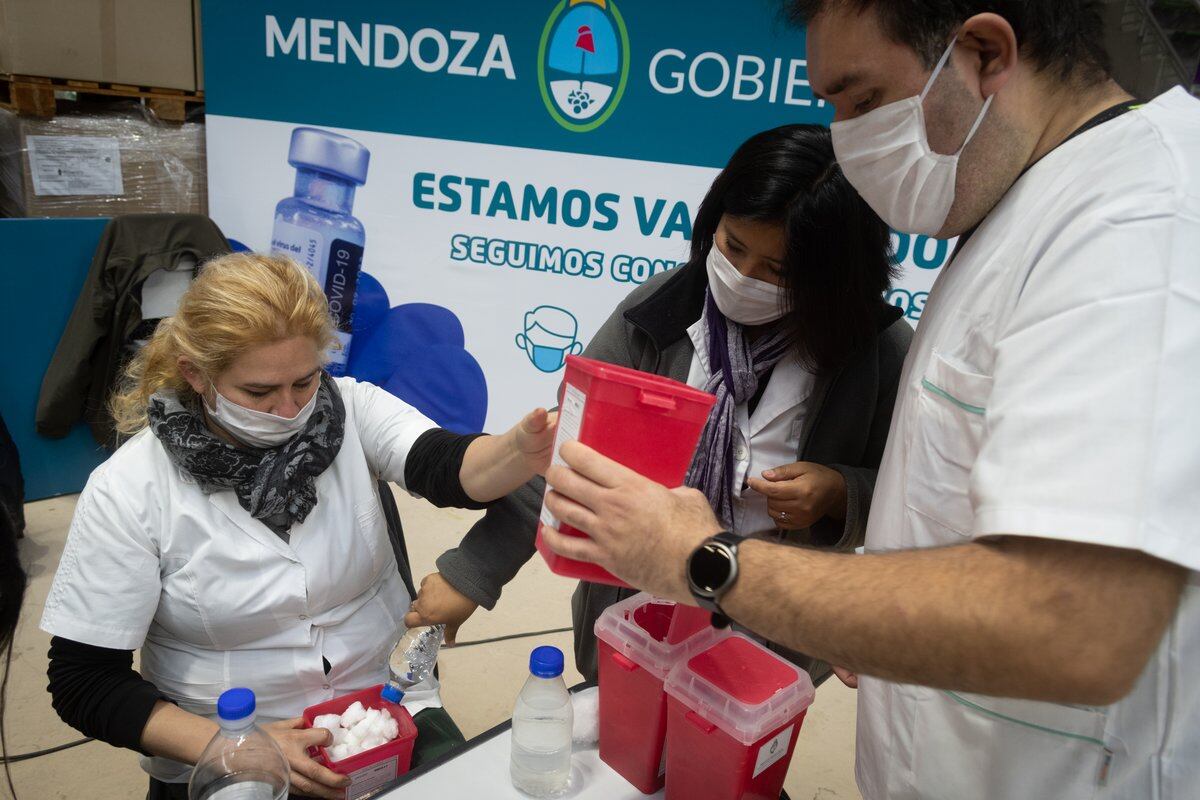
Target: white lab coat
pixel 214 599
pixel 768 438
pixel 1053 390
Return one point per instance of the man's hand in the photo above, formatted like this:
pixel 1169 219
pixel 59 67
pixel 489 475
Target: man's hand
pixel 308 778
pixel 640 531
pixel 846 676
pixel 534 438
pixel 800 494
pixel 439 603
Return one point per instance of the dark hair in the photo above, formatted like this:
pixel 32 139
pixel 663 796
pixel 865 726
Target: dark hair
pixel 12 593
pixel 1062 35
pixel 838 262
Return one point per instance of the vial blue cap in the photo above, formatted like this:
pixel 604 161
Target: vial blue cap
pixel 235 704
pixel 391 693
pixel 546 662
pixel 313 148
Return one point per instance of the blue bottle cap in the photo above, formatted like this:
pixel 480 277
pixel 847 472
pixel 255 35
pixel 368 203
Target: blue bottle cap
pixel 235 704
pixel 313 148
pixel 392 694
pixel 546 662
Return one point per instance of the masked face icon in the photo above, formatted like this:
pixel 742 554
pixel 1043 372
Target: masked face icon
pixel 549 337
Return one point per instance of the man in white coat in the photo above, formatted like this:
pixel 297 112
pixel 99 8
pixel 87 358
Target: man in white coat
pixel 1026 620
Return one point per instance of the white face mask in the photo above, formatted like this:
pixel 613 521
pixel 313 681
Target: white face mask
pixel 258 428
pixel 886 156
pixel 744 300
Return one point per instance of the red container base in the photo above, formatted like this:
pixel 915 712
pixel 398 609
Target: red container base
pixel 705 763
pixel 633 708
pixel 379 766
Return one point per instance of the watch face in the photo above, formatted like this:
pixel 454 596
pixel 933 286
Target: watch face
pixel 710 568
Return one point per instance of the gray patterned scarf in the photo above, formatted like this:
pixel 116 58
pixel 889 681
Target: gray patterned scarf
pixel 736 367
pixel 276 485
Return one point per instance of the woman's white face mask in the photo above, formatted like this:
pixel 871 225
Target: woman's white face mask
pixel 258 428
pixel 746 301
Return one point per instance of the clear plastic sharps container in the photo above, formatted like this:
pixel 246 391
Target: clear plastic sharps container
pixel 541 728
pixel 241 762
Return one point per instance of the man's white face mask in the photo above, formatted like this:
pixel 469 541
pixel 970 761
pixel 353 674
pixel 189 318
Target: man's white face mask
pixel 258 428
pixel 886 156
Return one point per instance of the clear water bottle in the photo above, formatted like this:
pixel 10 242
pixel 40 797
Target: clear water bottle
pixel 541 728
pixel 241 762
pixel 316 226
pixel 414 657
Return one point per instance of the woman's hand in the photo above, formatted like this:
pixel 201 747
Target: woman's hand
pixel 496 465
pixel 800 494
pixel 439 603
pixel 534 437
pixel 309 778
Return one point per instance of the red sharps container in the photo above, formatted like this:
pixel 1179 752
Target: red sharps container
pixel 635 657
pixel 647 423
pixel 734 711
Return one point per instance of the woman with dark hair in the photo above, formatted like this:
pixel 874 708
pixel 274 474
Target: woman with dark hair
pixel 780 313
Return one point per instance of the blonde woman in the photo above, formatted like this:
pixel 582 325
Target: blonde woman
pixel 237 538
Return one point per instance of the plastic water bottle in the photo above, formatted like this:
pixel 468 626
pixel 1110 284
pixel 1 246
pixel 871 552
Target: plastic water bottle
pixel 414 657
pixel 241 762
pixel 541 728
pixel 315 227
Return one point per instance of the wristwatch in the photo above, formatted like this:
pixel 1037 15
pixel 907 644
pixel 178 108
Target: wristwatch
pixel 712 570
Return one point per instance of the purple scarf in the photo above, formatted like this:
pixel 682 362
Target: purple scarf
pixel 737 367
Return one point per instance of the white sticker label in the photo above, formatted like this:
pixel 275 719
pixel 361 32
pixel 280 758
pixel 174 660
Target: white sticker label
pixel 368 779
pixel 75 165
pixel 570 420
pixel 773 750
pixel 303 245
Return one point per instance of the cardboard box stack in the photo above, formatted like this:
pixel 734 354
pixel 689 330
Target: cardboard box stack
pixel 100 161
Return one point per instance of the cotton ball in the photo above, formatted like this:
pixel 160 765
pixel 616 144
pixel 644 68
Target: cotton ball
pixel 391 728
pixel 330 722
pixel 337 752
pixel 362 729
pixel 379 726
pixel 372 742
pixel 339 735
pixel 586 706
pixel 351 742
pixel 353 715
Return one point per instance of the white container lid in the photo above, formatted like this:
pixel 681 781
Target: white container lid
pixel 637 628
pixel 741 687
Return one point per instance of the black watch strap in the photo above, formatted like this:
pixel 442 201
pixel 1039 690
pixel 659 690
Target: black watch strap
pixel 712 571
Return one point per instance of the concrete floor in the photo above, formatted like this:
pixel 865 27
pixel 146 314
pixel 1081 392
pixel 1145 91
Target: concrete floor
pixel 479 683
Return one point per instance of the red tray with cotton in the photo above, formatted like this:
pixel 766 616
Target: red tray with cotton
pixel 379 766
pixel 646 422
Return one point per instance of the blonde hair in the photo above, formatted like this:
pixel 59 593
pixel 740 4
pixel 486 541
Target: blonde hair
pixel 237 302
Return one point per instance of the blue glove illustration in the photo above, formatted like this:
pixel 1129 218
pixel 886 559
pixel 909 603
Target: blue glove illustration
pixel 417 352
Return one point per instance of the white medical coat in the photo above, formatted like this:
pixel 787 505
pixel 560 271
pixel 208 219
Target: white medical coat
pixel 214 599
pixel 1053 390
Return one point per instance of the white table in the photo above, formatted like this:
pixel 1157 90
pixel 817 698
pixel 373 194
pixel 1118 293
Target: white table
pixel 481 773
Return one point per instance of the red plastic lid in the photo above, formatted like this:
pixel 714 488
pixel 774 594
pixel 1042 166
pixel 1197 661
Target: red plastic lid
pixel 746 673
pixel 741 687
pixel 638 379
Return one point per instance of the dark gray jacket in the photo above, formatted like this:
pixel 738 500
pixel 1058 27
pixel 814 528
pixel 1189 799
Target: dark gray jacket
pixel 845 430
pixel 95 346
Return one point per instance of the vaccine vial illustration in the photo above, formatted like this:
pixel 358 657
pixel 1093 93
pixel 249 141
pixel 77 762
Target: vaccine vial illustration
pixel 315 226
